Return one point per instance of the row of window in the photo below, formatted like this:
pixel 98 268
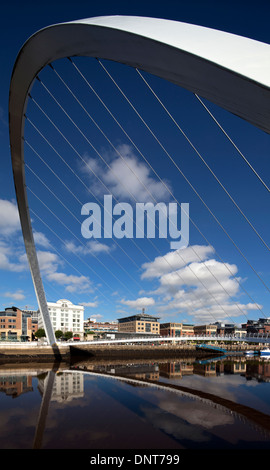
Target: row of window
pixel 54 310
pixel 10 320
pixel 9 326
pixel 147 327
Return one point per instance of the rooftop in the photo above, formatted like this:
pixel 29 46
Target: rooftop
pixel 139 317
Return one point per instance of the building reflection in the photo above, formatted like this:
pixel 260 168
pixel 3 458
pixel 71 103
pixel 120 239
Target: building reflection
pixel 66 387
pixel 258 370
pixel 177 369
pixel 69 385
pixel 15 385
pixel 63 385
pixel 53 385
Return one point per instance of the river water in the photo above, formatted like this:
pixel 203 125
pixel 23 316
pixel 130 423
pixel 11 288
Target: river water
pixel 142 404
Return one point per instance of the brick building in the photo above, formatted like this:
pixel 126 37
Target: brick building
pixel 176 329
pixel 141 323
pixel 261 326
pixel 15 325
pixel 207 330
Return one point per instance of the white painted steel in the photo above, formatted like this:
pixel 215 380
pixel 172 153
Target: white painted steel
pixel 179 339
pixel 231 71
pixel 231 338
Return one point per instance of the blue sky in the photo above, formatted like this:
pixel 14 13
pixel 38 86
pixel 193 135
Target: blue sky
pixel 114 277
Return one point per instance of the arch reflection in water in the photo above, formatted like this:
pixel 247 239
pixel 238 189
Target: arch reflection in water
pixel 140 405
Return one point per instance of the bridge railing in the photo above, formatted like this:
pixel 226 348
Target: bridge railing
pixel 252 338
pixel 261 338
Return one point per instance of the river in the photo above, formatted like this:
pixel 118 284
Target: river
pixel 170 404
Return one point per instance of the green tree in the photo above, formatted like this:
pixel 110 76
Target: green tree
pixel 40 333
pixel 68 334
pixel 58 334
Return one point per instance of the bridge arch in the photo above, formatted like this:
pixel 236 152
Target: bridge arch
pixel 231 71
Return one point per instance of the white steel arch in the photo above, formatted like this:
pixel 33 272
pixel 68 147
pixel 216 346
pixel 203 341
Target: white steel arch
pixel 229 70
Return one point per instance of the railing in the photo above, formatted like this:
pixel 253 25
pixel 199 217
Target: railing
pixel 222 338
pixel 252 338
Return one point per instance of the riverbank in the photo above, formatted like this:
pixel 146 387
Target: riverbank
pixel 137 351
pixel 28 352
pixel 31 352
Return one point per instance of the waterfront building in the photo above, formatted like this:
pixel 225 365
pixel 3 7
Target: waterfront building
pixel 16 384
pixel 66 387
pixel 234 330
pixel 176 329
pixel 34 315
pixel 65 316
pixel 220 328
pixel 15 325
pixel 106 326
pixel 140 323
pixel 207 330
pixel 261 326
pixel 230 329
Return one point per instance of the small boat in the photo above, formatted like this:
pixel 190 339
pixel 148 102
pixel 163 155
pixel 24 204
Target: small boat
pixel 265 353
pixel 251 353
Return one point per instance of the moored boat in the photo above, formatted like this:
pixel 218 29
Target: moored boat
pixel 251 353
pixel 265 353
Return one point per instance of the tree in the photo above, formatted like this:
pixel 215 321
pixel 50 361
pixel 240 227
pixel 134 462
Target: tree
pixel 68 334
pixel 40 333
pixel 58 334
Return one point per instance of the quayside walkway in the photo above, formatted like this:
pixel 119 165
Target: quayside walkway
pixel 251 339
pixel 134 347
pixel 262 339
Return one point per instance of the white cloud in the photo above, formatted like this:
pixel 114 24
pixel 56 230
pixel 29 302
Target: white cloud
pixel 49 264
pixel 72 283
pixel 175 260
pixel 41 239
pixel 13 257
pixel 210 274
pixel 9 217
pixel 206 290
pixel 89 304
pixel 139 303
pixel 18 295
pixel 127 178
pixel 7 253
pixel 92 246
pixel 48 261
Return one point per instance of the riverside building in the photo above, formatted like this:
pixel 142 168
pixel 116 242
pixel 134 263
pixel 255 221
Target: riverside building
pixel 207 330
pixel 65 316
pixel 176 329
pixel 15 325
pixel 100 326
pixel 140 323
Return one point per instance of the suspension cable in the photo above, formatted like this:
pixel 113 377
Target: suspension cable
pixel 61 202
pixel 186 179
pixel 61 255
pixel 202 159
pixel 189 267
pixel 167 188
pixel 107 269
pixel 232 142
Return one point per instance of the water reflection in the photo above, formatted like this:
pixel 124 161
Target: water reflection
pixel 222 403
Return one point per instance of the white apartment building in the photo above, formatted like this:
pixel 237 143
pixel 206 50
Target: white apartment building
pixel 65 316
